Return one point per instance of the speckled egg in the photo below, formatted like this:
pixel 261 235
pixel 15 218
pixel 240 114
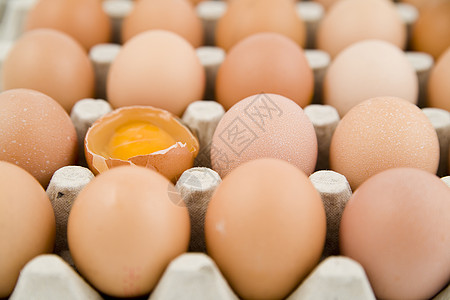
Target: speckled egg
pixel 382 133
pixel 264 125
pixel 36 133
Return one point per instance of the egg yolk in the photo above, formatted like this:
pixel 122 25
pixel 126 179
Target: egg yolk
pixel 138 138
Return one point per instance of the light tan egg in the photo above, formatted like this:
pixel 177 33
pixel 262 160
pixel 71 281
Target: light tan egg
pixel 156 68
pixel 246 17
pixel 328 3
pixel 124 228
pixel 350 21
pixel 36 133
pixel 51 62
pixel 383 133
pixel 178 16
pixel 143 136
pixel 84 20
pixel 367 69
pixel 265 228
pixel 27 223
pixel 395 225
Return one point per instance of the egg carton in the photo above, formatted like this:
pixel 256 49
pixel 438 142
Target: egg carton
pixel 194 275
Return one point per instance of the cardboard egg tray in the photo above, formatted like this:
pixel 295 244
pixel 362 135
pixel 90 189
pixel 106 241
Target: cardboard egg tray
pixel 194 275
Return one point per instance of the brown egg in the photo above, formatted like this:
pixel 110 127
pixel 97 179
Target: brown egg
pixel 143 136
pixel 246 17
pixel 383 133
pixel 36 133
pixel 265 228
pixel 264 125
pixel 178 16
pixel 350 21
pixel 431 32
pixel 396 225
pixel 368 69
pixel 157 68
pixel 438 86
pixel 51 62
pixel 84 20
pixel 27 223
pixel 265 62
pixel 124 228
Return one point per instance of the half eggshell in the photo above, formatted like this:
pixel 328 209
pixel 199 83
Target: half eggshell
pixel 170 162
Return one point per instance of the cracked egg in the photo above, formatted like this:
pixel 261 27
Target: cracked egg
pixel 143 136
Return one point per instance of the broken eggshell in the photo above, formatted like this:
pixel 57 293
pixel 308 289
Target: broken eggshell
pixel 170 162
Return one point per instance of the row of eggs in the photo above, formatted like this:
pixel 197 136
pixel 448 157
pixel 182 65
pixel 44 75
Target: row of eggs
pixel 272 65
pixel 51 62
pixel 344 23
pixel 347 36
pixel 405 124
pixel 256 203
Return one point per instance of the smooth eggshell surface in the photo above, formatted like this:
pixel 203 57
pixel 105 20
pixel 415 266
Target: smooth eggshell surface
pixel 350 21
pixel 36 133
pixel 264 125
pixel 27 223
pixel 368 69
pixel 246 17
pixel 157 68
pixel 265 62
pixel 396 225
pixel 431 32
pixel 265 228
pixel 125 227
pixel 438 84
pixel 84 20
pixel 178 16
pixel 383 133
pixel 51 62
